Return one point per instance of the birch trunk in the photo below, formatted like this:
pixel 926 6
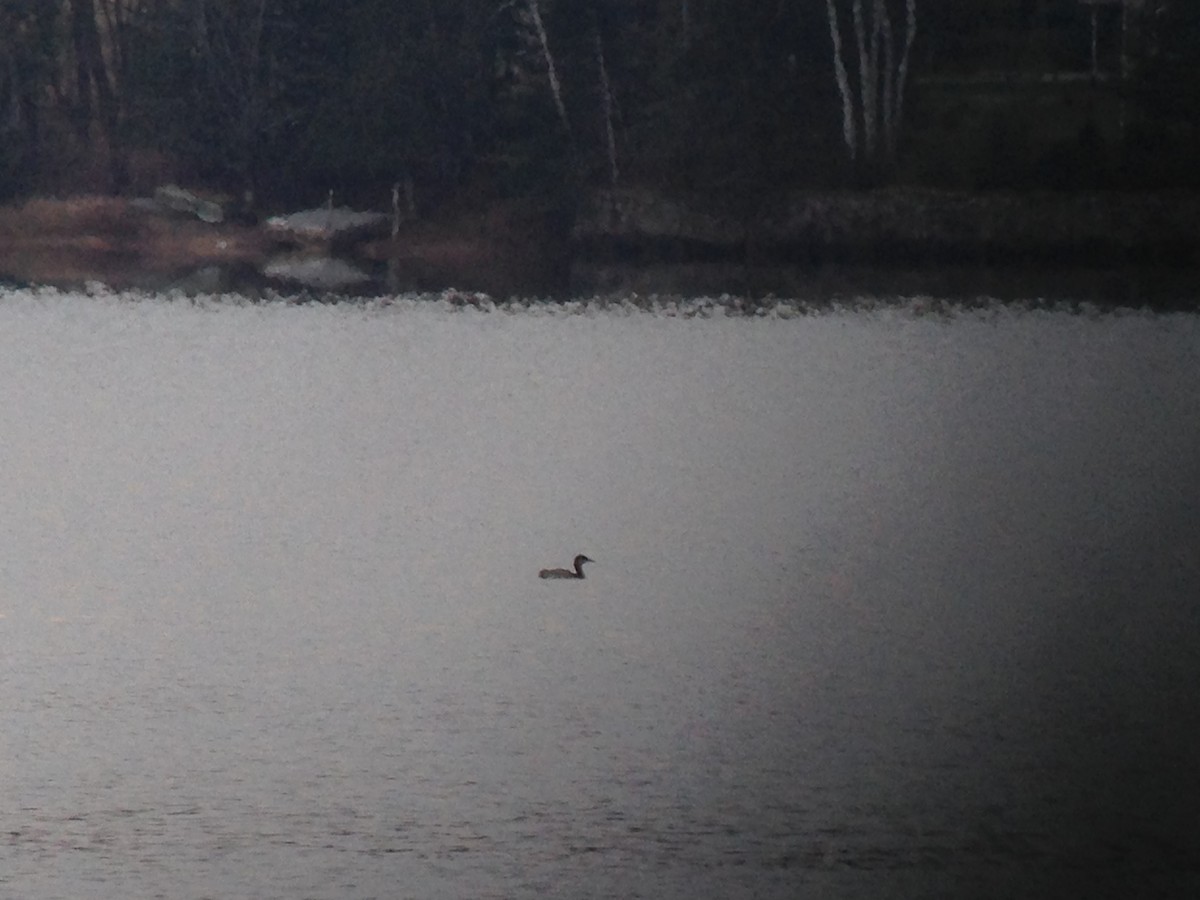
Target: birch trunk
pixel 607 107
pixel 97 96
pixel 887 96
pixel 910 34
pixel 849 131
pixel 866 78
pixel 535 13
pixel 881 76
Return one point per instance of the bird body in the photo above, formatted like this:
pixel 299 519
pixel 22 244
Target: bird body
pixel 567 573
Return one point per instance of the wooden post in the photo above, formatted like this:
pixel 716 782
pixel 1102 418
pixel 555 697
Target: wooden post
pixel 395 209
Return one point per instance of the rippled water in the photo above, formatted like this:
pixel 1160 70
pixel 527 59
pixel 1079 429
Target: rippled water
pixel 882 606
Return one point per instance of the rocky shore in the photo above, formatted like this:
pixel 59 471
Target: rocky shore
pixel 898 226
pixel 139 243
pixel 622 241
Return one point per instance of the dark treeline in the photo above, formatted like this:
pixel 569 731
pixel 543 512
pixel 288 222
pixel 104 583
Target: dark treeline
pixel 482 99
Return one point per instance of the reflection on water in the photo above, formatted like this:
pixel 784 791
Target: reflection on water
pixel 1160 288
pixel 1165 288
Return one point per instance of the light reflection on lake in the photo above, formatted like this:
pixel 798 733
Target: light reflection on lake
pixel 882 605
pixel 314 275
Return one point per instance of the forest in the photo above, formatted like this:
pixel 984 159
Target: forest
pixel 474 100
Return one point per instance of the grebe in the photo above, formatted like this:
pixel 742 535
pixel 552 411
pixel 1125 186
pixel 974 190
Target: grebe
pixel 566 573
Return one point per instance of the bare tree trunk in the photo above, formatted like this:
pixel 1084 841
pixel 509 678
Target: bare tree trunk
pixel 106 101
pixel 202 42
pixel 849 131
pixel 232 44
pixel 97 99
pixel 27 82
pixel 1123 112
pixel 256 110
pixel 1095 44
pixel 866 78
pixel 878 15
pixel 910 34
pixel 555 86
pixel 887 97
pixel 82 112
pixel 606 103
pixel 881 76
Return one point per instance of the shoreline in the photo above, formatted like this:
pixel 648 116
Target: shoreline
pixel 1121 250
pixel 897 225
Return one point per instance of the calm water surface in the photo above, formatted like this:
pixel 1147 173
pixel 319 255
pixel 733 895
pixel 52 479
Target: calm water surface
pixel 576 742
pixel 214 704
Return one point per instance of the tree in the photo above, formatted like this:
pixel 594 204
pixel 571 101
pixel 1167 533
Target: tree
pixel 571 60
pixel 228 86
pixel 877 104
pixel 1164 115
pixel 405 96
pixel 606 105
pixel 27 29
pixel 1170 41
pixel 535 16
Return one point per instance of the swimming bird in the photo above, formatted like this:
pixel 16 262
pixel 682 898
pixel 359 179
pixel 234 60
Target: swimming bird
pixel 566 573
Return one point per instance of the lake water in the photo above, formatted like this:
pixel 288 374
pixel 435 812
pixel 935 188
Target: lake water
pixel 884 604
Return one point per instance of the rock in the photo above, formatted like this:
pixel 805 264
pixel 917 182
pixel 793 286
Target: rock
pixel 328 225
pixel 319 272
pixel 176 199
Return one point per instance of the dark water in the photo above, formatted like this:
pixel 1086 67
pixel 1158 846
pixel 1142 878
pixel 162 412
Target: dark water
pixel 1164 288
pixel 1161 288
pixel 885 743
